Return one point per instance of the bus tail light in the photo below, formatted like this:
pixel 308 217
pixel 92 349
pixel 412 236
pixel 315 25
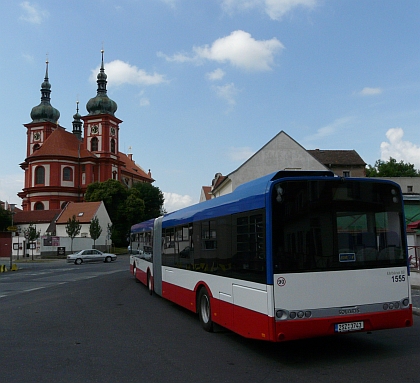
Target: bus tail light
pixel 284 314
pixel 396 305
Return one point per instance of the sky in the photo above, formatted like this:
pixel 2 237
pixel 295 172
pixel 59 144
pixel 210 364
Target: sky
pixel 202 85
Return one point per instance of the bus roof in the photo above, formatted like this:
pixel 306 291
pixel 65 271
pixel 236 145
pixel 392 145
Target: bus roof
pixel 143 226
pixel 248 196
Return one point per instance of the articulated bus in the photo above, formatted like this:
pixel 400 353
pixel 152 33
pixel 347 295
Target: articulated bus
pixel 294 254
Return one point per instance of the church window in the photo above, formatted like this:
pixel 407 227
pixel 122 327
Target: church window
pixel 39 175
pixel 94 144
pixel 113 146
pixel 36 147
pixel 39 206
pixel 67 174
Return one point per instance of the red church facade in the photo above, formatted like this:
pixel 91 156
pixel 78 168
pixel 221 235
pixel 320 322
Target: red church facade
pixel 60 165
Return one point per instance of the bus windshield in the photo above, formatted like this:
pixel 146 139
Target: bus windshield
pixel 336 224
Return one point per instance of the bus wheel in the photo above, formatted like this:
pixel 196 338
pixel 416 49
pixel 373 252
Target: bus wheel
pixel 134 273
pixel 149 284
pixel 204 310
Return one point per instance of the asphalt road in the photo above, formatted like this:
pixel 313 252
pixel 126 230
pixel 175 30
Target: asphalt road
pixel 94 323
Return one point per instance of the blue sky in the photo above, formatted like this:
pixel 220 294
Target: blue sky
pixel 202 85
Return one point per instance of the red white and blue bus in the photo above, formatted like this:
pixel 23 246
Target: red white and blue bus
pixel 294 254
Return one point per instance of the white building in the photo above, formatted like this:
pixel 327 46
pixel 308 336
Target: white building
pixel 51 225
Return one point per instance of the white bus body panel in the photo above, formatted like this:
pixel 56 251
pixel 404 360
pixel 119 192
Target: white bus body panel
pixel 340 288
pixel 250 295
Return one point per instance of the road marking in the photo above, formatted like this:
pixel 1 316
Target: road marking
pixel 35 288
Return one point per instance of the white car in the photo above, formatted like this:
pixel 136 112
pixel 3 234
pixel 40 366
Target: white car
pixel 90 255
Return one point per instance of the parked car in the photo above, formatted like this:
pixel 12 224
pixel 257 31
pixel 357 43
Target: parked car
pixel 90 255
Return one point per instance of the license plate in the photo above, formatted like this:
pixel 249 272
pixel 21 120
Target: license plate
pixel 350 326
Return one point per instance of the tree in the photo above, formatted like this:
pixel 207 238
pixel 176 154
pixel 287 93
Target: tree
pixel 126 206
pixel 113 194
pixel 95 230
pixel 5 219
pixel 133 208
pixel 73 228
pixel 153 199
pixel 31 234
pixel 391 168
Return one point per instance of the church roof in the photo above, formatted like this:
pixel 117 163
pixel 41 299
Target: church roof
pixel 130 167
pixel 64 144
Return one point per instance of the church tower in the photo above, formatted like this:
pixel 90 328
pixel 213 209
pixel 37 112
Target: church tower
pixel 44 119
pixel 77 123
pixel 101 130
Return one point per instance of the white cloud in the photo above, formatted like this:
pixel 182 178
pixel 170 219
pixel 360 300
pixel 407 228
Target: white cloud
pixel 171 3
pixel 175 201
pixel 275 9
pixel 32 13
pixel 217 74
pixel 227 92
pixel 120 72
pixel 330 129
pixel 29 58
pixel 239 49
pixel 399 149
pixel 10 185
pixel 144 101
pixel 370 91
pixel 240 154
pixel 179 57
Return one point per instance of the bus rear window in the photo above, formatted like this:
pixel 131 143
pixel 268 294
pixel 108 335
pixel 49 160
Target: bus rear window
pixel 336 225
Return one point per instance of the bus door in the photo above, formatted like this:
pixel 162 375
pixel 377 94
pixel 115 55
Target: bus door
pixel 157 256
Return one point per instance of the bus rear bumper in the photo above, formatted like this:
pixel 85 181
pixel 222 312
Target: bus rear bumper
pixel 307 328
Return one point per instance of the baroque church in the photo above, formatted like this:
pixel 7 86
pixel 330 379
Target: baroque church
pixel 60 165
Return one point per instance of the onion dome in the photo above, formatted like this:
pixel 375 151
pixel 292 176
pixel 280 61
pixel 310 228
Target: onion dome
pixel 101 104
pixel 45 111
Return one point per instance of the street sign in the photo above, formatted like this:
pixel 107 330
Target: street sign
pixel 12 228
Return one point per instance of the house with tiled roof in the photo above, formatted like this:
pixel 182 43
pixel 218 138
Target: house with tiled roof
pixel 51 225
pixel 85 212
pixel 344 163
pixel 282 152
pixel 205 193
pixel 44 219
pixel 60 165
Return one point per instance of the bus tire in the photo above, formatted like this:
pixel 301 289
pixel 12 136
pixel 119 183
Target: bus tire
pixel 149 284
pixel 204 310
pixel 134 274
